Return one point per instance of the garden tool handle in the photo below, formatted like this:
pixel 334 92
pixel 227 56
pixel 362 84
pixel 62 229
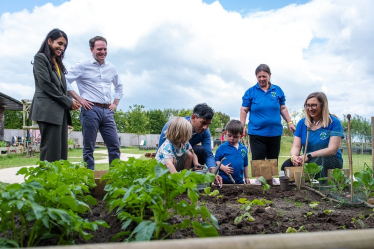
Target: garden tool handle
pixel 219 165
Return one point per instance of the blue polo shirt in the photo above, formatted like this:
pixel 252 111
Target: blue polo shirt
pixel 238 157
pixel 204 138
pixel 264 110
pixel 319 139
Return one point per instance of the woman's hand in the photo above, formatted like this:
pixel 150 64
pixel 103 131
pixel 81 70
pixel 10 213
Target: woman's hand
pixel 75 106
pixel 297 160
pixel 291 128
pixel 227 169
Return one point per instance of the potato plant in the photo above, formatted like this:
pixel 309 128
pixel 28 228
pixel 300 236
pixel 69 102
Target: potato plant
pixel 147 199
pixel 340 182
pixel 365 181
pixel 48 205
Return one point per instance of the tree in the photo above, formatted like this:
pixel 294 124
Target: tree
pixel 360 128
pixel 295 118
pixel 136 120
pixel 219 121
pixel 75 119
pixel 157 120
pixel 13 119
pixel 120 119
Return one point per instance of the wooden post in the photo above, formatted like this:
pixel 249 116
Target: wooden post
pixel 350 153
pixel 372 142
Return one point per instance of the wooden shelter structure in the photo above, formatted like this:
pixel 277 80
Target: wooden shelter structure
pixel 7 103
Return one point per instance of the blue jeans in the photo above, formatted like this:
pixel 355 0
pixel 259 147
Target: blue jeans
pixel 101 119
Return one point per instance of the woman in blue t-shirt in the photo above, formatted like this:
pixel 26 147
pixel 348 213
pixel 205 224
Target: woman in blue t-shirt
pixel 265 103
pixel 326 133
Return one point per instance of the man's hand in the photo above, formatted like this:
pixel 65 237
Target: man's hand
pixel 86 104
pixel 247 181
pixel 218 181
pixel 75 106
pixel 113 106
pixel 227 169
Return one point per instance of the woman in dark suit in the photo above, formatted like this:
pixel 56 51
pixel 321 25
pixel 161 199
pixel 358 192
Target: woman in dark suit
pixel 51 103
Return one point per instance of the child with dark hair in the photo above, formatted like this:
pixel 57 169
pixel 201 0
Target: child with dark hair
pixel 236 162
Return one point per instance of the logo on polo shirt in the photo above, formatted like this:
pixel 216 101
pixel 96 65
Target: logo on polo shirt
pixel 243 153
pixel 273 94
pixel 323 136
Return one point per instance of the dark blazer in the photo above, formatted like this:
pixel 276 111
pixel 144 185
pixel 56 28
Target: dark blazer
pixel 50 99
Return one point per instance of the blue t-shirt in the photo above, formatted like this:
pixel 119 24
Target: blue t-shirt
pixel 204 138
pixel 264 110
pixel 238 157
pixel 319 139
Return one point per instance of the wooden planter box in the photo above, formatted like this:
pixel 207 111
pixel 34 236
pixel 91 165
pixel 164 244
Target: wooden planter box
pixel 99 189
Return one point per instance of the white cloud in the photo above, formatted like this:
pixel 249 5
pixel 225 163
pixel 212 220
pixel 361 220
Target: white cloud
pixel 175 54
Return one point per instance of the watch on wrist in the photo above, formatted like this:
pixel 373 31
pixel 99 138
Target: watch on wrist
pixel 309 156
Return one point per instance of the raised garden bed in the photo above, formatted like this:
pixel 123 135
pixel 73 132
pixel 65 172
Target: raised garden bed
pixel 288 209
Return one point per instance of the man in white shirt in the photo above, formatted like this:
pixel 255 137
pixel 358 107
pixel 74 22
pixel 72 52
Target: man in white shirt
pixel 94 78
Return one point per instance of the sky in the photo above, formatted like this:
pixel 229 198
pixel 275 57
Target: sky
pixel 178 53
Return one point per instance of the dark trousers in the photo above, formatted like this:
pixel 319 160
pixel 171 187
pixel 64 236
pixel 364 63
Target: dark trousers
pixel 264 147
pixel 331 162
pixel 54 140
pixel 99 119
pixel 200 153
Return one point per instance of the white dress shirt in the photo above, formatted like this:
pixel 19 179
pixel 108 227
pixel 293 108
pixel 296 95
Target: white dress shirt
pixel 94 81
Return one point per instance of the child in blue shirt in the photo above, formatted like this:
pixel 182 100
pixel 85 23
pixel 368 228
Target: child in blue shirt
pixel 236 162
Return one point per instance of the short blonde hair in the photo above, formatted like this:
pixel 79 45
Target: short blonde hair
pixel 179 129
pixel 322 99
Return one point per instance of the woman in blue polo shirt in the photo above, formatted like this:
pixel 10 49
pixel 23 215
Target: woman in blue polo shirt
pixel 265 103
pixel 325 135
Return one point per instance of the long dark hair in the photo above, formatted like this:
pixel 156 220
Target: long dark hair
pixel 45 49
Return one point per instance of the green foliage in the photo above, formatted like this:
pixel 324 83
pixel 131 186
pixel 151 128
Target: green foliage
pixel 3 144
pixel 157 120
pixel 365 181
pixel 358 221
pixel 314 204
pixel 247 206
pixel 120 119
pixel 312 169
pixel 51 199
pixel 293 230
pixel 75 120
pixel 136 120
pixel 265 186
pixel 360 128
pixel 138 186
pixel 13 119
pixel 328 211
pixel 219 121
pixel 340 182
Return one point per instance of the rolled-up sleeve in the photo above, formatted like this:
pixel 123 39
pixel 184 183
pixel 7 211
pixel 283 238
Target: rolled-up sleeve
pixel 118 87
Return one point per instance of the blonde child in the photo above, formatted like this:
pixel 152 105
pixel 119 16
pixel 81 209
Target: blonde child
pixel 176 152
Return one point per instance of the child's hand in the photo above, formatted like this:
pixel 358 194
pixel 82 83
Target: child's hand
pixel 227 169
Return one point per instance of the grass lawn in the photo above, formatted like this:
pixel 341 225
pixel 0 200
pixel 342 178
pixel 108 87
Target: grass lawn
pixel 75 155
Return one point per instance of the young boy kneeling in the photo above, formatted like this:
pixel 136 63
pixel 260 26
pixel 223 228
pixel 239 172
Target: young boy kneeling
pixel 236 154
pixel 176 153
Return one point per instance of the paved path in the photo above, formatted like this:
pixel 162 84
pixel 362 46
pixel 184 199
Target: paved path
pixel 8 175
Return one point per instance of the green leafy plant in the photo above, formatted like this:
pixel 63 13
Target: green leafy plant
pixel 247 205
pixel 3 144
pixel 293 230
pixel 308 214
pixel 365 181
pixel 265 186
pixel 328 211
pixel 340 182
pixel 312 169
pixel 51 199
pixel 208 193
pixel 147 198
pixel 314 204
pixel 357 221
pixel 242 217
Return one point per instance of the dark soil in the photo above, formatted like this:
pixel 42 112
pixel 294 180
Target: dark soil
pixel 289 209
